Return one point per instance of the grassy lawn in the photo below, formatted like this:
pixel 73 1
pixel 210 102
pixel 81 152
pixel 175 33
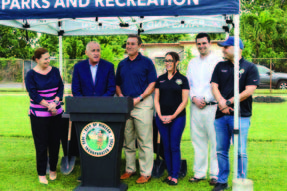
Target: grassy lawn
pixel 267 152
pixel 273 91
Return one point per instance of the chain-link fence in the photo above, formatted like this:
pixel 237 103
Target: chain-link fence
pixel 11 70
pixel 273 72
pixel 15 70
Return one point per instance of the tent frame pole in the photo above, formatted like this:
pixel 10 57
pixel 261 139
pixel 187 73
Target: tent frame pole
pixel 61 54
pixel 236 93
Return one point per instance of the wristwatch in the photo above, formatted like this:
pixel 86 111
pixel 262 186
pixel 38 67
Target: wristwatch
pixel 228 102
pixel 141 98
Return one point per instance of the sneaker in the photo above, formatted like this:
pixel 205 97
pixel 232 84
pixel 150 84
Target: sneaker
pixel 220 187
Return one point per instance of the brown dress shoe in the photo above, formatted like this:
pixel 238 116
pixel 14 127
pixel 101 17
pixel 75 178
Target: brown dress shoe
pixel 143 179
pixel 127 175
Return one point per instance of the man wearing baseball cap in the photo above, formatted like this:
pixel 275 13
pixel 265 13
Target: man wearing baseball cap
pixel 222 82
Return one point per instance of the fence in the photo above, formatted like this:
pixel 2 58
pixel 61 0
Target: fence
pixel 15 70
pixel 273 72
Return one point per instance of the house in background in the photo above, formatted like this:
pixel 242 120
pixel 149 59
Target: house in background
pixel 157 51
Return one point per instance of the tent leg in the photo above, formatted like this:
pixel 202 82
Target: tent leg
pixel 238 184
pixel 236 92
pixel 61 55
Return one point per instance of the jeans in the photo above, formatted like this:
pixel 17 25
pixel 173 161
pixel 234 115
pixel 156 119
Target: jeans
pixel 224 130
pixel 171 136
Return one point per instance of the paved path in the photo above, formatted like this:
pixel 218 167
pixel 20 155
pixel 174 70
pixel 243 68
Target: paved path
pixel 21 86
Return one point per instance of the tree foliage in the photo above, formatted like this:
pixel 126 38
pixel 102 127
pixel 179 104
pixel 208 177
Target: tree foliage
pixel 263 26
pixel 16 43
pixel 164 38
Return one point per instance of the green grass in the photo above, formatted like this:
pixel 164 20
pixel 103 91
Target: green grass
pixel 273 91
pixel 267 152
pixel 267 168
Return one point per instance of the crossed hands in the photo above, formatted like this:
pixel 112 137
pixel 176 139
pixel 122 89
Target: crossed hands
pixel 199 102
pixel 223 107
pixel 166 118
pixel 52 108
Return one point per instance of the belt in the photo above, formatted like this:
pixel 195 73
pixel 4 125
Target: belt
pixel 211 103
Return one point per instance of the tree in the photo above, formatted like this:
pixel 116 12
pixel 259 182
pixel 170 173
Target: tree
pixel 264 33
pixel 164 38
pixel 16 43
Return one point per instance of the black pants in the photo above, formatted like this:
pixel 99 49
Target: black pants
pixel 46 134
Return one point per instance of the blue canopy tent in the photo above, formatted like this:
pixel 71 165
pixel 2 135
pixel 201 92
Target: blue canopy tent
pixel 114 17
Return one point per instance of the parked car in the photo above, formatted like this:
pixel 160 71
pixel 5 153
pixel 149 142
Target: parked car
pixel 279 80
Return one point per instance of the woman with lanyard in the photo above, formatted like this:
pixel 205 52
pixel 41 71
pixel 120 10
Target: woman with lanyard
pixel 45 87
pixel 171 96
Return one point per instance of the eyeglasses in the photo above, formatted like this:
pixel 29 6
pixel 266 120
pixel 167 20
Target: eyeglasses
pixel 170 61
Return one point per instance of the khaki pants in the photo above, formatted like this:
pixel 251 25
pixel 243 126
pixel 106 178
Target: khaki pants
pixel 139 127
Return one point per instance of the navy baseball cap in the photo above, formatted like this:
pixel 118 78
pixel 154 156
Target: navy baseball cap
pixel 230 42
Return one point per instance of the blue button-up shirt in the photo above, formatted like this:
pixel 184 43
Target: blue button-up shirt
pixel 93 71
pixel 134 76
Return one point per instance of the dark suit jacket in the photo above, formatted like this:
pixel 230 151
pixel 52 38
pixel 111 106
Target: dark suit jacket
pixel 82 82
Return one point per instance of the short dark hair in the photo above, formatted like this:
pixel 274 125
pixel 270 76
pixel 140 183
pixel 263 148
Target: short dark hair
pixel 136 36
pixel 202 35
pixel 38 53
pixel 175 58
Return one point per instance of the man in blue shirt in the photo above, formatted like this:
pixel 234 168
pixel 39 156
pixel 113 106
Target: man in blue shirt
pixel 135 77
pixel 222 82
pixel 94 76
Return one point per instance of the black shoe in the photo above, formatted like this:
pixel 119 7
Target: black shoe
pixel 172 183
pixel 79 179
pixel 195 180
pixel 166 180
pixel 220 187
pixel 212 181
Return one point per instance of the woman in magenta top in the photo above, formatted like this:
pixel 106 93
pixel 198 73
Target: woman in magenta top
pixel 45 87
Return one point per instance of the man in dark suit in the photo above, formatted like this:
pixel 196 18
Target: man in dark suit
pixel 94 76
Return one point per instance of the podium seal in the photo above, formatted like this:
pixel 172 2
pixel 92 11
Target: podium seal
pixel 97 139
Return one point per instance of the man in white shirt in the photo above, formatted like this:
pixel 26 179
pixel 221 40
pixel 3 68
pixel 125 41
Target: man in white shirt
pixel 202 110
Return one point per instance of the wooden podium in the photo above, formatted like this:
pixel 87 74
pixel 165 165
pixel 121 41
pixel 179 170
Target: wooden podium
pixel 100 123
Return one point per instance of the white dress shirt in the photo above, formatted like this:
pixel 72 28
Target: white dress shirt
pixel 94 72
pixel 199 73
